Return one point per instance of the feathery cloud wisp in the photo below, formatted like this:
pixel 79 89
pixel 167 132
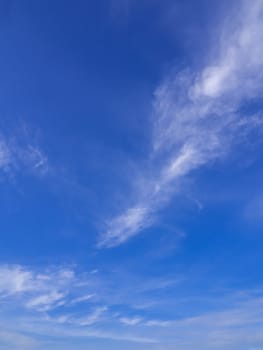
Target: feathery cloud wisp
pixel 21 152
pixel 34 296
pixel 130 321
pixel 40 291
pixel 197 118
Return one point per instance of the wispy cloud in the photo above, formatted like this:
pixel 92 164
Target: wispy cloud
pixel 35 297
pixel 236 325
pixel 4 155
pixel 52 302
pixel 94 317
pixel 39 291
pixel 124 226
pixel 131 321
pixel 197 118
pixel 82 298
pixel 20 152
pixel 15 280
pixel 46 302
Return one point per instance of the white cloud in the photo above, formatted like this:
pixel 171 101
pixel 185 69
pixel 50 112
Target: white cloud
pixel 197 120
pixel 238 70
pixel 39 291
pixel 46 302
pixel 33 159
pixel 94 317
pixel 124 226
pixel 236 327
pixel 21 153
pixel 33 294
pixel 14 279
pixel 82 298
pixel 131 321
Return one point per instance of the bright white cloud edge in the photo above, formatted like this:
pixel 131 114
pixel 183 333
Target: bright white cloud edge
pixel 197 120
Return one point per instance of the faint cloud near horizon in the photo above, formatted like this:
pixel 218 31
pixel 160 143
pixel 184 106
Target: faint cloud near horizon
pixel 36 297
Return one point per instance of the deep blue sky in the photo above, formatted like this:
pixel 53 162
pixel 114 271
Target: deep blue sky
pixel 131 175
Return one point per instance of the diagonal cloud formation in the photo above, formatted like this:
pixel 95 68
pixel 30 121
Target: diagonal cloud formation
pixel 197 118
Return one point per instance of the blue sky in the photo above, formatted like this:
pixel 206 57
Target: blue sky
pixel 131 171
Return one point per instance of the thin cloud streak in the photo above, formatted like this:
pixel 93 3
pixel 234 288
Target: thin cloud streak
pixel 82 298
pixel 131 321
pixel 38 291
pixel 235 327
pixel 197 119
pixel 34 295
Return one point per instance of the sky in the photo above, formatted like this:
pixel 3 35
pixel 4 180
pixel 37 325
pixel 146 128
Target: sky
pixel 131 166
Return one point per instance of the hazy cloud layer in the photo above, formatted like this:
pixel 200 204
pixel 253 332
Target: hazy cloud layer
pixel 43 302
